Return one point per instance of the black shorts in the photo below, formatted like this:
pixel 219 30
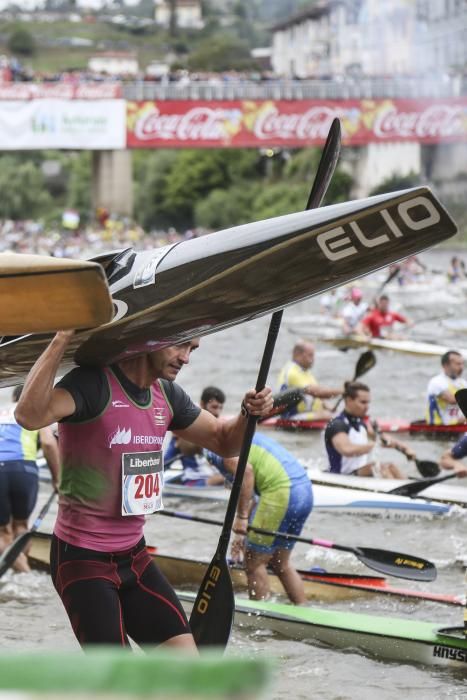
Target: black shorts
pixel 19 484
pixel 112 596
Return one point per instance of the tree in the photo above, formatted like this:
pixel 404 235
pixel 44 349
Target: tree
pixel 221 52
pixel 396 182
pixel 225 208
pixel 151 170
pixel 21 42
pixel 23 191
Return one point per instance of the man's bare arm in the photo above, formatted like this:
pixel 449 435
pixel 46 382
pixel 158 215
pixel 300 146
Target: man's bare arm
pixel 40 404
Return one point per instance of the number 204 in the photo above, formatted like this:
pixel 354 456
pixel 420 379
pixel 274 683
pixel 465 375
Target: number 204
pixel 147 486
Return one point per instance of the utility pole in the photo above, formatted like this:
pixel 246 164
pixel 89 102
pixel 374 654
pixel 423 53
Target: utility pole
pixel 173 18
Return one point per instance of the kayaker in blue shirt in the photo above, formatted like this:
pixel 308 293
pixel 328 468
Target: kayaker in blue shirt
pixel 19 474
pixel 451 459
pixel 349 440
pixel 196 471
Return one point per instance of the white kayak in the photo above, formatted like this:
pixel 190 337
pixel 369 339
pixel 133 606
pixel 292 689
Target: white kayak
pixel 410 347
pixel 329 498
pixel 439 493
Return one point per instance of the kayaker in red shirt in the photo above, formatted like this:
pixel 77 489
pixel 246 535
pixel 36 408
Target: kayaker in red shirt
pixel 379 321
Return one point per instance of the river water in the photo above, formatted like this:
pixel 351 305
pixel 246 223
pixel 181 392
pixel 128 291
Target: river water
pixel 31 616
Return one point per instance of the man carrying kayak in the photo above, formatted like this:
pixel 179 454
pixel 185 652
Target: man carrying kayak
pixel 442 408
pixel 349 439
pixel 19 475
pixel 296 374
pixel 284 501
pixel 378 322
pixel 112 424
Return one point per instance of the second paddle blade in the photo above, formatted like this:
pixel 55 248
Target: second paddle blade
pixel 396 564
pixel 213 612
pixel 42 294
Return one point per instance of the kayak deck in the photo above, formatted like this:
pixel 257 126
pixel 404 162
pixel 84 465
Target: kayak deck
pixel 318 585
pixel 386 425
pixel 442 493
pixel 395 639
pixel 325 497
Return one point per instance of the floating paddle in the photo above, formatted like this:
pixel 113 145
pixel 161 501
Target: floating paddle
pixel 365 362
pixel 11 553
pixel 396 564
pixel 42 294
pixel 414 487
pixel 426 467
pixel 288 399
pixel 388 279
pixel 213 611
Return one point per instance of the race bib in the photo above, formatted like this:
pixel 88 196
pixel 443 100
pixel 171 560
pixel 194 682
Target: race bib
pixel 142 480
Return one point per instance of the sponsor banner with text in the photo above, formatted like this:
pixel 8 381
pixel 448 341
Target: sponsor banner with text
pixel 74 124
pixel 60 90
pixel 292 123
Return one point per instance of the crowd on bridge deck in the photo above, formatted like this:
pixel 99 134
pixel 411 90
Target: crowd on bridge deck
pixel 30 236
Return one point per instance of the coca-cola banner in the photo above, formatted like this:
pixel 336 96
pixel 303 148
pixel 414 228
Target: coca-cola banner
pixel 294 123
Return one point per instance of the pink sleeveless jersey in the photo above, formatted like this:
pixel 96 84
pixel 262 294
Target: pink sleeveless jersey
pixel 90 501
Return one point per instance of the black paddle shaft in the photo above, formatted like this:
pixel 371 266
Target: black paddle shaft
pixel 213 611
pixel 405 566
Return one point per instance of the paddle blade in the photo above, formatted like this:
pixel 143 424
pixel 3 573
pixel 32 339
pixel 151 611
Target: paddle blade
pixel 414 487
pixel 427 468
pixel 12 552
pixel 43 294
pixel 461 398
pixel 284 401
pixel 214 608
pixel 396 564
pixel 366 361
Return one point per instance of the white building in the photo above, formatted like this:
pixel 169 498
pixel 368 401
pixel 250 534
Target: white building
pixel 189 13
pixel 372 37
pixel 442 37
pixel 114 63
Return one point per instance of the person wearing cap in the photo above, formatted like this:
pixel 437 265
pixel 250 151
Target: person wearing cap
pixel 353 312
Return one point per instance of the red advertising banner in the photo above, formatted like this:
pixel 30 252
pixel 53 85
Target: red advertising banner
pixel 60 91
pixel 294 123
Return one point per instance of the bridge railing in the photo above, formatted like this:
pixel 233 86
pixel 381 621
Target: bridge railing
pixel 364 88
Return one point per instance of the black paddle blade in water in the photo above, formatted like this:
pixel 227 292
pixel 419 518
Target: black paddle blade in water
pixel 397 564
pixel 212 615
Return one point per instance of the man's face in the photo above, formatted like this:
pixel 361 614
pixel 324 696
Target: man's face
pixel 455 366
pixel 168 362
pixel 213 406
pixel 306 356
pixel 383 305
pixel 358 406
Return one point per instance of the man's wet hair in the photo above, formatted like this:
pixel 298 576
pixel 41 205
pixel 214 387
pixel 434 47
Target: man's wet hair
pixel 446 358
pixel 212 392
pixel 351 389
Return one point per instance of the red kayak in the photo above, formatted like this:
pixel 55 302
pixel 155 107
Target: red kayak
pixel 390 425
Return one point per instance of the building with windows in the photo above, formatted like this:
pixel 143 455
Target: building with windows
pixel 189 13
pixel 373 38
